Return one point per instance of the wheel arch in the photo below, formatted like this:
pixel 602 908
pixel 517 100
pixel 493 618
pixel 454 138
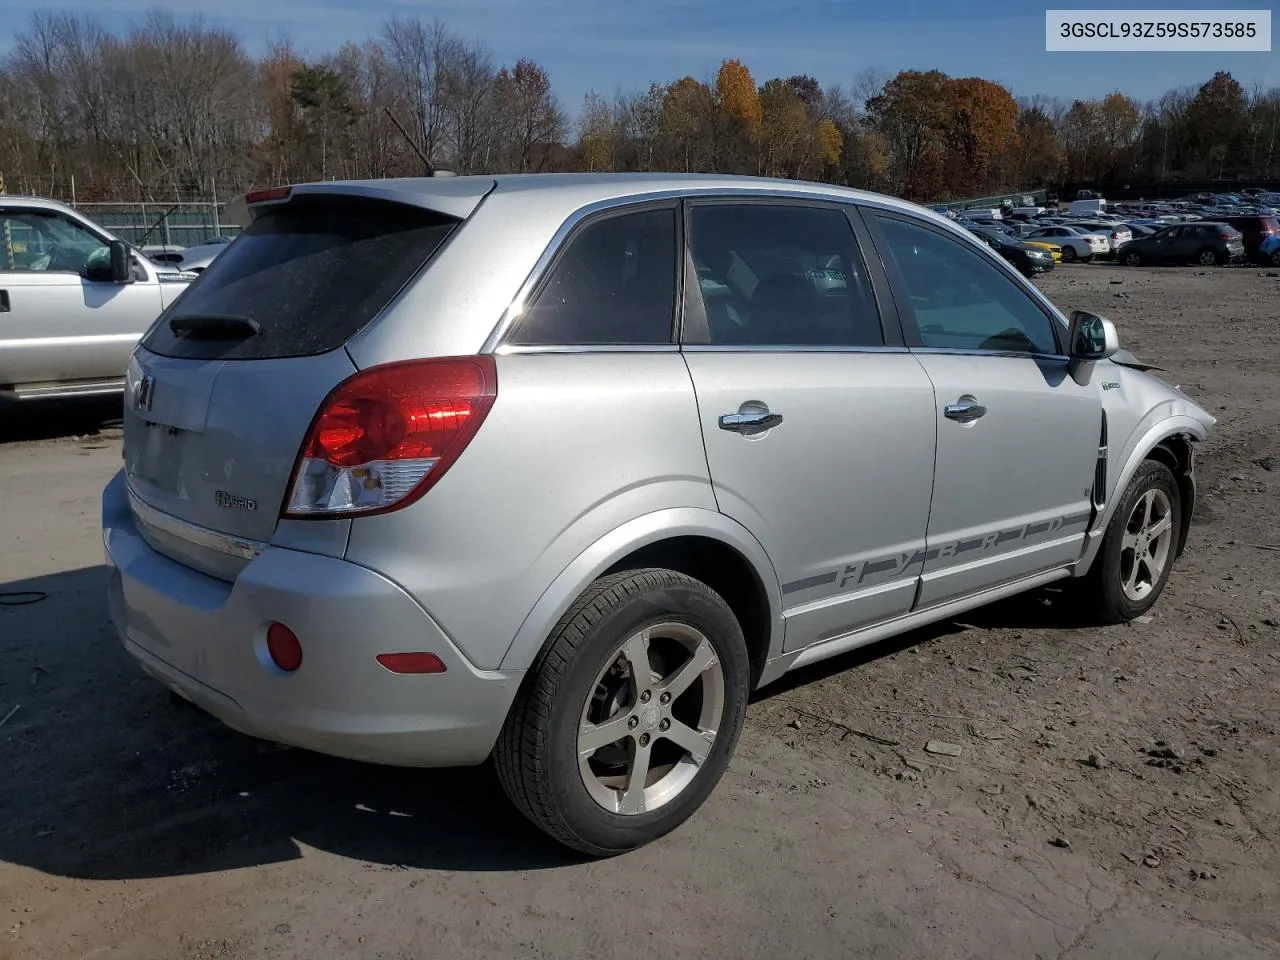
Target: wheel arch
pixel 1170 441
pixel 697 542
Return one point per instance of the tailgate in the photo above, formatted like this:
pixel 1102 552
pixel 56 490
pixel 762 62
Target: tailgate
pixel 223 388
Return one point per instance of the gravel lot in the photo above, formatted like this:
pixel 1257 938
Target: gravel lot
pixel 1115 796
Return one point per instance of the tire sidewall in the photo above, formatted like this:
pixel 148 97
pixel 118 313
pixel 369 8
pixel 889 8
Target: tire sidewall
pixel 581 814
pixel 1151 474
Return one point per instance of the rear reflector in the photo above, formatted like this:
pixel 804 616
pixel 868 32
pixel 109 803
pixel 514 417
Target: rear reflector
pixel 411 662
pixel 284 647
pixel 387 435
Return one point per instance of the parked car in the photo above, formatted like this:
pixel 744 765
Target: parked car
pixel 1204 243
pixel 195 259
pixel 1140 229
pixel 1018 232
pixel 1254 229
pixel 1117 232
pixel 369 572
pixel 1076 244
pixel 1026 259
pixel 74 299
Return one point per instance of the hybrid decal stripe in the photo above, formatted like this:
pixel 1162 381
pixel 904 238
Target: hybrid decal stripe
pixel 883 569
pixel 820 580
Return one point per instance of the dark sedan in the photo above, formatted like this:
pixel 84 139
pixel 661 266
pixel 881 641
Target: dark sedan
pixel 1028 260
pixel 1205 243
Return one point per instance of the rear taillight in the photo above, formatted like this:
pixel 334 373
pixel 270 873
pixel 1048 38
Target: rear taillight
pixel 387 435
pixel 1228 235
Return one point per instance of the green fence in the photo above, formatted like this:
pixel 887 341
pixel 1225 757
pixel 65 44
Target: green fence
pixel 162 224
pixel 1037 196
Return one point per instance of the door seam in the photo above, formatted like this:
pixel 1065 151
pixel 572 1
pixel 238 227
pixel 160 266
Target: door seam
pixel 933 486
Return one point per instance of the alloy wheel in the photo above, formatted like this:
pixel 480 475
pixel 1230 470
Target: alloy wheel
pixel 1147 545
pixel 1208 258
pixel 652 718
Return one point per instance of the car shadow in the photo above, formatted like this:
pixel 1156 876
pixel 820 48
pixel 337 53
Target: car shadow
pixel 58 419
pixel 108 777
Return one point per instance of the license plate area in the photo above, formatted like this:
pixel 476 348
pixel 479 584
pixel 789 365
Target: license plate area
pixel 159 457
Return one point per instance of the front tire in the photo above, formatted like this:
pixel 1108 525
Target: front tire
pixel 1275 258
pixel 628 719
pixel 1138 549
pixel 1133 259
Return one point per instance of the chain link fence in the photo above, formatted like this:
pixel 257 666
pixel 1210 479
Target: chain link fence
pixel 162 224
pixel 1016 198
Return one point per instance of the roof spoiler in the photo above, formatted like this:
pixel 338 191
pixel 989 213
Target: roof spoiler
pixel 237 209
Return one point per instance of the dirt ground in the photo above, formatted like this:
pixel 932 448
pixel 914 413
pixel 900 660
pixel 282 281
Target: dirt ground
pixel 1115 793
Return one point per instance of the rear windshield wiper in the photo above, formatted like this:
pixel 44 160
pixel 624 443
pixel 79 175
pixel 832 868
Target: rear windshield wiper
pixel 213 326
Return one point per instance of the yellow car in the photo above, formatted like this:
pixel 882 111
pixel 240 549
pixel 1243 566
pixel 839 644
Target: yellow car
pixel 1053 248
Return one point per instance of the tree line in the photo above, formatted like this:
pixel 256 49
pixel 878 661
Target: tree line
pixel 179 110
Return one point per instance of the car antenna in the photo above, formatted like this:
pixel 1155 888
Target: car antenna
pixel 426 163
pixel 152 229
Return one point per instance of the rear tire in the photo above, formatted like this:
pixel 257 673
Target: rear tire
pixel 1137 552
pixel 552 756
pixel 1208 257
pixel 1068 254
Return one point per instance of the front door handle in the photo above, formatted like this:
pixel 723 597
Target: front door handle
pixel 750 421
pixel 4 301
pixel 966 410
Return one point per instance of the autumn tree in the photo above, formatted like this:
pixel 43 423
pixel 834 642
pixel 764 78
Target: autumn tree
pixel 981 128
pixel 687 119
pixel 1039 156
pixel 597 134
pixel 1081 132
pixel 531 114
pixel 911 115
pixel 1218 120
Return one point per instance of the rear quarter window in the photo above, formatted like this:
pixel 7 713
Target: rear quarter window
pixel 311 274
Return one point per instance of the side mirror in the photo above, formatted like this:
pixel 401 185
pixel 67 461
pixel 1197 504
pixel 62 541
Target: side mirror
pixel 121 268
pixel 1091 337
pixel 113 267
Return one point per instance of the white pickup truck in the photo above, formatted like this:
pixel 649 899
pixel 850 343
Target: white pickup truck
pixel 74 300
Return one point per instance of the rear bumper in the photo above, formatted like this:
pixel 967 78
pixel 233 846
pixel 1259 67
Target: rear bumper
pixel 205 639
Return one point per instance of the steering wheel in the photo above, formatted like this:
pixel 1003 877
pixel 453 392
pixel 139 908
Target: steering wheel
pixel 61 258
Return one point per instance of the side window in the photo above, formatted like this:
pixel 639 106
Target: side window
pixel 615 283
pixel 38 242
pixel 776 275
pixel 960 299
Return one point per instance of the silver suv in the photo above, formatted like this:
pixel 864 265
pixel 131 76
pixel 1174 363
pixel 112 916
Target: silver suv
pixel 74 299
pixel 555 469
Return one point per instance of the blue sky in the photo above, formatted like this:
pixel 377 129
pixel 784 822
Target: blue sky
pixel 612 44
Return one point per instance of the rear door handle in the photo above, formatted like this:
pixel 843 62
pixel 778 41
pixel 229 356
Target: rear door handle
pixel 751 421
pixel 4 301
pixel 966 410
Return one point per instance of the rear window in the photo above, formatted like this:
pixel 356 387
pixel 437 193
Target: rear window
pixel 308 275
